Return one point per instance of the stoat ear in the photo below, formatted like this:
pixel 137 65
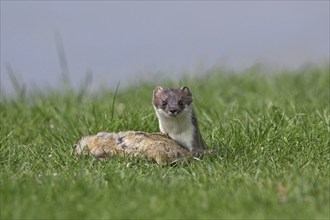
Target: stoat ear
pixel 186 90
pixel 157 90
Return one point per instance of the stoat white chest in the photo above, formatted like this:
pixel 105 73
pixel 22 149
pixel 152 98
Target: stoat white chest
pixel 179 128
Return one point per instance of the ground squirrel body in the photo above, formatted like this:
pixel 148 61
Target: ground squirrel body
pixel 151 146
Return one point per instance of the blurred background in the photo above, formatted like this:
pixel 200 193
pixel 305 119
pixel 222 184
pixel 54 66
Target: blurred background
pixel 44 43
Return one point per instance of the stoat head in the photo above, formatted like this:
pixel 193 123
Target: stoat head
pixel 172 102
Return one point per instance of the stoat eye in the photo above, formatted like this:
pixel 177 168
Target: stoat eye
pixel 164 103
pixel 180 102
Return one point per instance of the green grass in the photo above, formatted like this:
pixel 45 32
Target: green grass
pixel 271 131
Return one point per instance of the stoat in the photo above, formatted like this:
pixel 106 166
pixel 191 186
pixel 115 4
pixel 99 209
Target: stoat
pixel 176 116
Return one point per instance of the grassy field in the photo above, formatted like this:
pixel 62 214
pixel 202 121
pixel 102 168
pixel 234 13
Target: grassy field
pixel 271 131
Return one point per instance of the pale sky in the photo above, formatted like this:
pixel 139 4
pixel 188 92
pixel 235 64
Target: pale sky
pixel 120 41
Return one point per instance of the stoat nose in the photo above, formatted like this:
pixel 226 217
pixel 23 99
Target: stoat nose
pixel 173 111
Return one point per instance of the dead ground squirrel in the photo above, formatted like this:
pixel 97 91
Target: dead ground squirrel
pixel 151 146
